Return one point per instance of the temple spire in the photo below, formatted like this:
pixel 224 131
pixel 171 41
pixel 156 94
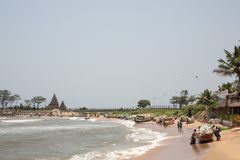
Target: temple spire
pixel 54 103
pixel 63 106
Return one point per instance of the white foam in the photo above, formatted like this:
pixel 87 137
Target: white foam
pixel 149 138
pixel 127 123
pixel 92 120
pixel 74 118
pixel 21 120
pixel 31 129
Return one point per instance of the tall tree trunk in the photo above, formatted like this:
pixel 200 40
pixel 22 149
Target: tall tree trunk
pixel 226 104
pixel 2 111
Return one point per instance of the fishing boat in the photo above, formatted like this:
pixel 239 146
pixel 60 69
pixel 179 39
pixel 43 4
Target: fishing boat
pixel 205 134
pixel 142 118
pixel 207 137
pixel 168 120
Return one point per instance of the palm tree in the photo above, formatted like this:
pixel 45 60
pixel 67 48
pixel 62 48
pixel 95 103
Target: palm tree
pixel 207 98
pixel 227 87
pixel 230 66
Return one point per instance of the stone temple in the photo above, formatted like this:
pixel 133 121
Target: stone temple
pixel 63 106
pixel 54 103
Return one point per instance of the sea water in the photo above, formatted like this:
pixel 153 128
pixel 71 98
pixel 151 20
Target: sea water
pixel 73 139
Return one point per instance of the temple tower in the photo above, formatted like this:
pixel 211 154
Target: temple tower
pixel 63 106
pixel 54 103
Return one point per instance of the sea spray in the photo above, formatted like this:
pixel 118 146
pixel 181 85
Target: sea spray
pixel 21 120
pixel 64 139
pixel 146 138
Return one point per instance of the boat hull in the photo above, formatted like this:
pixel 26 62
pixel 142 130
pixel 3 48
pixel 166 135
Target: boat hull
pixel 142 120
pixel 205 138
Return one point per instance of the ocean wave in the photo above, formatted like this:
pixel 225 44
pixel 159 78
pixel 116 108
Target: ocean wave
pixel 75 118
pixel 31 129
pixel 127 153
pixel 146 138
pixel 127 123
pixel 21 120
pixel 92 120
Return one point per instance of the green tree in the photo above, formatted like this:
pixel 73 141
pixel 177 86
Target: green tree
pixel 38 100
pixel 28 103
pixel 16 98
pixel 183 99
pixel 207 97
pixel 227 87
pixel 231 65
pixel 191 99
pixel 4 98
pixel 143 103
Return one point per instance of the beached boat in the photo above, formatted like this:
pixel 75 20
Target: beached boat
pixel 205 137
pixel 165 120
pixel 142 118
pixel 160 119
pixel 205 134
pixel 168 120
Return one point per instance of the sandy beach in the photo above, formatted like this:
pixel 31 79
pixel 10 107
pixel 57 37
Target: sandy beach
pixel 176 145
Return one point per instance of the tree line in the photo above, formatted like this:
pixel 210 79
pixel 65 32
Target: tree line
pixel 10 101
pixel 230 66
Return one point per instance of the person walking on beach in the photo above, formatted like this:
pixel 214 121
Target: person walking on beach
pixel 216 132
pixel 193 137
pixel 179 125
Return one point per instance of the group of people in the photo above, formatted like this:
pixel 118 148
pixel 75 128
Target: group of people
pixel 216 131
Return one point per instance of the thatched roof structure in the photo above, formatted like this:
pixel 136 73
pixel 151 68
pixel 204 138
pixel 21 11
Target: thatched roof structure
pixel 233 100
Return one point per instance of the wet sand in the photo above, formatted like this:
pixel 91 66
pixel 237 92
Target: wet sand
pixel 176 146
pixel 228 147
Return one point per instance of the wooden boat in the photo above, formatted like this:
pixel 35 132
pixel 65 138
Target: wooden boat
pixel 205 134
pixel 158 120
pixel 142 118
pixel 205 137
pixel 168 122
pixel 183 118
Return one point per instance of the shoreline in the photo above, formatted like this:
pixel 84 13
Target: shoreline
pixel 174 146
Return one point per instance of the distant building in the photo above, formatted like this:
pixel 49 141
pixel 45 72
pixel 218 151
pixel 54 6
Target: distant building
pixel 63 106
pixel 231 104
pixel 54 103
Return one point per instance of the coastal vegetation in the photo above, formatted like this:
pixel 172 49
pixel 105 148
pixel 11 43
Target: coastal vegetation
pixel 143 103
pixel 10 101
pixel 188 105
pixel 231 65
pixel 183 99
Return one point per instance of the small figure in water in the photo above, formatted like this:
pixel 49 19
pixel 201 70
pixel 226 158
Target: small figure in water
pixel 193 137
pixel 164 124
pixel 179 125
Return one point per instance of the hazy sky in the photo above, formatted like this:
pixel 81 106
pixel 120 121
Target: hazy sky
pixel 106 53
